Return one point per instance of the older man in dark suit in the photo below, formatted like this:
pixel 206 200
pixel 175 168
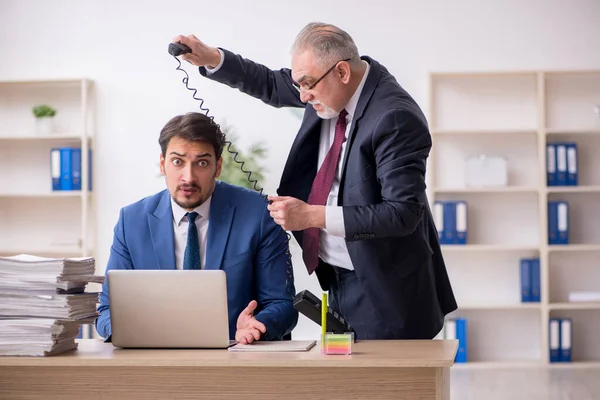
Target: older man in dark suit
pixel 353 188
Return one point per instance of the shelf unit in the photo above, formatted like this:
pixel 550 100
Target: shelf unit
pixel 38 220
pixel 35 219
pixel 514 115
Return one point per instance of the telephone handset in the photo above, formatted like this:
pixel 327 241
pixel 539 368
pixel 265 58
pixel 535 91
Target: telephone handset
pixel 177 49
pixel 309 305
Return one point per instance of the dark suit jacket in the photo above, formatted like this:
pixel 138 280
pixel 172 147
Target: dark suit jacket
pixel 390 234
pixel 243 240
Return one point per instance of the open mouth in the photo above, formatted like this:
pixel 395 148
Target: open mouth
pixel 188 191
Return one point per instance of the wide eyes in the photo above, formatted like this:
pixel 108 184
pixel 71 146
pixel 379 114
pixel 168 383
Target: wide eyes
pixel 178 162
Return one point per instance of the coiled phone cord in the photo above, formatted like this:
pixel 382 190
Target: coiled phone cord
pixel 235 154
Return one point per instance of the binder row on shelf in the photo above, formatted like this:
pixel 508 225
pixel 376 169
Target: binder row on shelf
pixel 562 160
pixel 451 221
pixel 530 280
pixel 456 329
pixel 65 168
pixel 558 222
pixel 560 334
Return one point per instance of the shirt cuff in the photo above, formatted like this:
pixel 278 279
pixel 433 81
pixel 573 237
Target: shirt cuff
pixel 334 221
pixel 215 69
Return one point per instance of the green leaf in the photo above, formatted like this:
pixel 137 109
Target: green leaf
pixel 43 110
pixel 232 171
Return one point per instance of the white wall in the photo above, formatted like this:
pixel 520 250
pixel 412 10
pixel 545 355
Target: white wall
pixel 122 46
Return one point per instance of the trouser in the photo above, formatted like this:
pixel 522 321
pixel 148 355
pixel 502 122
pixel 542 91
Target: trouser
pixel 348 299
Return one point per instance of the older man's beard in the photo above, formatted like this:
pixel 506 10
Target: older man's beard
pixel 328 113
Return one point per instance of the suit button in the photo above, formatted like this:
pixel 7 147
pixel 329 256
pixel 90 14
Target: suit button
pixel 356 236
pixel 372 235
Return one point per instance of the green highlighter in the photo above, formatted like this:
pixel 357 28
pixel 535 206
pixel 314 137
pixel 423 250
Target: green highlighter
pixel 333 343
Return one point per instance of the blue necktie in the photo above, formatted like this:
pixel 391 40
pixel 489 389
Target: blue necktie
pixel 191 258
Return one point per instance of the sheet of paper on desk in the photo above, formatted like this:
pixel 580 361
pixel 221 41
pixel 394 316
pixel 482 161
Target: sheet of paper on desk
pixel 275 346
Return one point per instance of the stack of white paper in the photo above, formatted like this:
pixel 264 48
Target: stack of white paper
pixel 43 303
pixel 37 336
pixel 38 273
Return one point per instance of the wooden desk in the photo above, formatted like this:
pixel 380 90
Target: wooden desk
pixel 377 370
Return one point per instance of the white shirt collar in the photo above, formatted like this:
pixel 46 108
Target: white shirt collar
pixel 178 213
pixel 353 102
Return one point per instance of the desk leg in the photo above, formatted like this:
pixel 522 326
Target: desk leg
pixel 442 383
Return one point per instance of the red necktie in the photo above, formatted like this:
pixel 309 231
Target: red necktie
pixel 320 192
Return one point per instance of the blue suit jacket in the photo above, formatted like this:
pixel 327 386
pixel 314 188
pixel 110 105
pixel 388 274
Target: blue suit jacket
pixel 243 240
pixel 390 234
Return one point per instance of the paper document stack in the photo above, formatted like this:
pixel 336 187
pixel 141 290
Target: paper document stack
pixel 43 303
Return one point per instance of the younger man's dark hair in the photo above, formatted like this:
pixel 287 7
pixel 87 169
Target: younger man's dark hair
pixel 193 127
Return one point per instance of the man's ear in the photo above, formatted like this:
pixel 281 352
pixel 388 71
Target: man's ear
pixel 343 69
pixel 162 164
pixel 219 167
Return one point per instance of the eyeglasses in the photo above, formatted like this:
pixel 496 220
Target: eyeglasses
pixel 303 88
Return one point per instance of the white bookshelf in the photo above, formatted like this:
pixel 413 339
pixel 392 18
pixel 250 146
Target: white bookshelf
pixel 514 115
pixel 33 218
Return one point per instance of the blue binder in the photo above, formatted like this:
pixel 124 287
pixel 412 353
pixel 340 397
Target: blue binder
pixel 552 222
pixel 551 177
pixel 534 273
pixel 449 222
pixel 90 174
pixel 461 336
pixel 461 222
pixel 525 280
pixel 565 339
pixel 55 168
pixel 572 164
pixel 561 164
pixel 66 182
pixel 76 168
pixel 563 222
pixel 554 339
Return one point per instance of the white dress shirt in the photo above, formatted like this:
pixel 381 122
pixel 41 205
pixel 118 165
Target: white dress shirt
pixel 332 242
pixel 180 230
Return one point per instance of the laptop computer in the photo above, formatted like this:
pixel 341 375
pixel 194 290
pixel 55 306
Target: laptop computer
pixel 168 309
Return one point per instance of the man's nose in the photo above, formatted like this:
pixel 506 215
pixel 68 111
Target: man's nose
pixel 305 97
pixel 187 173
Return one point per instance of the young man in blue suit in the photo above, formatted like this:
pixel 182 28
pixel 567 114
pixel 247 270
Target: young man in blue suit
pixel 202 223
pixel 353 187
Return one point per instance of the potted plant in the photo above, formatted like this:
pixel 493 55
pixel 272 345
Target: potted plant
pixel 252 157
pixel 44 115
